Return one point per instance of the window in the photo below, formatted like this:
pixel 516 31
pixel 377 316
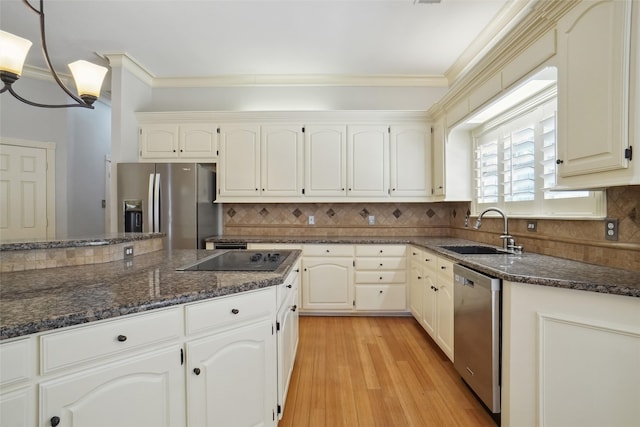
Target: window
pixel 515 164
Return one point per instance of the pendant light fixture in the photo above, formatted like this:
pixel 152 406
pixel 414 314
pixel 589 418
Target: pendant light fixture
pixel 13 52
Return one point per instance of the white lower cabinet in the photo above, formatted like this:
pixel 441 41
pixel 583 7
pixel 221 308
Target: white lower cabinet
pixel 327 277
pixel 231 378
pixel 432 297
pixel 381 276
pixel 145 390
pixel 17 407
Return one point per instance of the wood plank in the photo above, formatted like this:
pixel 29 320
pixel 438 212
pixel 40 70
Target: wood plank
pixel 375 371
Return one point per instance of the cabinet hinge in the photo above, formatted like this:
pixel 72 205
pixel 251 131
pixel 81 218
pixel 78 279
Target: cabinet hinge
pixel 389 129
pixel 273 415
pixel 354 262
pixel 303 191
pixel 140 130
pixel 277 326
pixel 302 129
pixel 628 153
pixel 432 129
pixel 217 152
pixel 279 409
pixel 181 357
pixel 354 303
pixel 218 130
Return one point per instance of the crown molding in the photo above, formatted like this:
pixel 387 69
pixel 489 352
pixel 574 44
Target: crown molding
pixel 45 74
pixel 127 62
pixel 304 80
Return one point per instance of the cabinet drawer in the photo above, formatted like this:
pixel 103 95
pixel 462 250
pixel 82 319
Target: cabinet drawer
pixel 394 276
pixel 445 269
pixel 60 350
pixel 380 250
pixel 390 263
pixel 16 362
pixel 328 250
pixel 270 246
pixel 381 297
pixel 230 311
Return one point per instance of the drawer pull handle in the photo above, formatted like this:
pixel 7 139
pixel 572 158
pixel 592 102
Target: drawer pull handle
pixel 122 338
pixel 294 308
pixel 55 421
pixel 235 311
pixel 196 371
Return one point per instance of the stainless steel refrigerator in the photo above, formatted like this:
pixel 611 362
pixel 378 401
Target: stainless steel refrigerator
pixel 172 198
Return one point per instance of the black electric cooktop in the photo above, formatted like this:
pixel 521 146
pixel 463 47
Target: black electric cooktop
pixel 240 260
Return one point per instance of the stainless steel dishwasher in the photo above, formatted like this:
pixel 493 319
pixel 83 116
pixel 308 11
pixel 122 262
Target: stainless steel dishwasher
pixel 476 328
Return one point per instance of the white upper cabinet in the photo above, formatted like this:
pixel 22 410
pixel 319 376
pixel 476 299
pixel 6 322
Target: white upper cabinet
pixel 593 87
pixel 178 142
pixel 368 160
pixel 410 161
pixel 281 160
pixel 438 161
pixel 198 142
pixel 159 141
pixel 325 161
pixel 239 169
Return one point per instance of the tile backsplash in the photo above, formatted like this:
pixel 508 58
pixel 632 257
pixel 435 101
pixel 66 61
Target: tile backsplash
pixel 581 240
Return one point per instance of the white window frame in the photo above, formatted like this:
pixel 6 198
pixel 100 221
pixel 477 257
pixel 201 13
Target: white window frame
pixel 588 204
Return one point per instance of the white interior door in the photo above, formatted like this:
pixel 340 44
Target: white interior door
pixel 23 192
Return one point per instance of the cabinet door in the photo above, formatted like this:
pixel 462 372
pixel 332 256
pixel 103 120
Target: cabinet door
pixel 325 161
pixel 437 162
pixel 18 408
pixel 444 317
pixel 231 378
pixel 159 141
pixel 239 173
pixel 429 305
pixel 287 348
pixel 327 283
pixel 199 142
pixel 410 165
pixel 368 160
pixel 146 390
pixel 281 160
pixel 416 285
pixel 593 87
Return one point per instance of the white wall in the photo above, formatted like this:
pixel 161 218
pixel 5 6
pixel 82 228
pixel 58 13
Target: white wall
pixel 70 129
pixel 286 98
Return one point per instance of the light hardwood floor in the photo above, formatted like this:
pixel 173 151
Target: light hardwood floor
pixel 375 371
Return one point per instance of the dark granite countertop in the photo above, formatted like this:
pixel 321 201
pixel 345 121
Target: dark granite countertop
pixel 525 268
pixel 76 242
pixel 40 300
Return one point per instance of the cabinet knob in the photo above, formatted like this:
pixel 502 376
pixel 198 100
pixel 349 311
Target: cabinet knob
pixel 419 277
pixel 196 371
pixel 181 150
pixel 174 151
pixel 435 289
pixel 349 189
pixel 327 250
pixel 122 338
pixel 380 291
pixel 294 308
pixel 427 259
pixel 55 421
pixel 289 286
pixel 559 162
pixel 380 277
pixel 381 251
pixel 415 253
pixel 343 189
pixel 443 267
pixel 380 264
pixel 256 189
pixel 297 270
pixel 235 311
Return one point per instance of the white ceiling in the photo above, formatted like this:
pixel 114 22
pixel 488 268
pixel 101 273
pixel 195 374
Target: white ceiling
pixel 209 38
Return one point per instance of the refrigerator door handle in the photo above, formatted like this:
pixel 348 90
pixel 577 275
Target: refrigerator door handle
pixel 150 203
pixel 156 205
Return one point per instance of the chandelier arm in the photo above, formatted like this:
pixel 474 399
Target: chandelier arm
pixel 46 57
pixel 81 104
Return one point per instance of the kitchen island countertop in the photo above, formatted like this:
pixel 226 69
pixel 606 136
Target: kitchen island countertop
pixel 40 300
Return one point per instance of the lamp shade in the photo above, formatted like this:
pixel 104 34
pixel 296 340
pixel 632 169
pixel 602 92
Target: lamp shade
pixel 13 52
pixel 88 77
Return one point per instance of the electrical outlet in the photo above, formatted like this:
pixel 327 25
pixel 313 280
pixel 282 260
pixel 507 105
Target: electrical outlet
pixel 532 226
pixel 611 228
pixel 312 220
pixel 128 252
pixel 372 220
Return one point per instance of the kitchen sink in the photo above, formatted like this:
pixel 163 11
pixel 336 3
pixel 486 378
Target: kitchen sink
pixel 475 250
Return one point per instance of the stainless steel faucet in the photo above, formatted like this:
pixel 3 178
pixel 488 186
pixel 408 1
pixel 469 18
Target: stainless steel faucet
pixel 508 242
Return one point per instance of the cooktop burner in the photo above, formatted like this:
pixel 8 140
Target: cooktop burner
pixel 239 260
